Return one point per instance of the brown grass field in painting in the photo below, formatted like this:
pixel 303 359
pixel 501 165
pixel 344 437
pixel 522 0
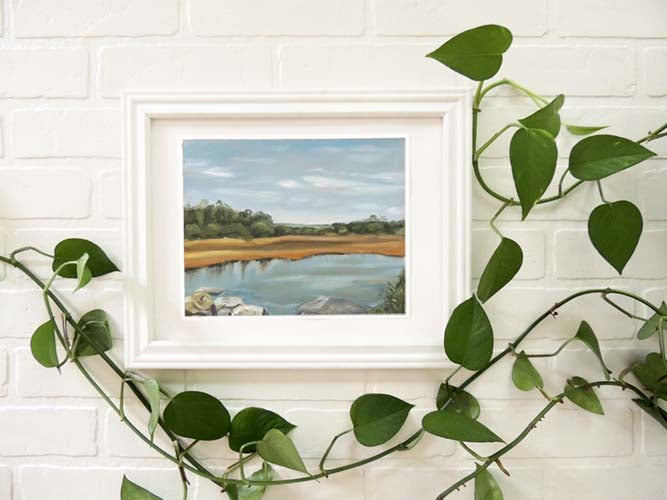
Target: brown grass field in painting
pixel 202 253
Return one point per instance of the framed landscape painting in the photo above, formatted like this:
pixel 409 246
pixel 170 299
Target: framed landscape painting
pixel 288 230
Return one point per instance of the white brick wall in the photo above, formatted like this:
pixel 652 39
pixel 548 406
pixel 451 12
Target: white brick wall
pixel 65 64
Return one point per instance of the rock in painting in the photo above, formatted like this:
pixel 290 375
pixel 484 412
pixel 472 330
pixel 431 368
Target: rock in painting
pixel 249 310
pixel 198 304
pixel 330 305
pixel 228 302
pixel 210 290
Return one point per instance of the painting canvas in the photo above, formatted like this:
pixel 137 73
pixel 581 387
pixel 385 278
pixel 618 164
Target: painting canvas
pixel 294 226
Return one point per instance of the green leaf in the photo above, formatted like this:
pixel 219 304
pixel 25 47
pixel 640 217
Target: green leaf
pixel 153 395
pixel 95 324
pixel 501 268
pixel 83 274
pixel 599 156
pixel 378 417
pixel 253 492
pixel 452 425
pixel 583 397
pixel 197 415
pixel 279 449
pixel 654 411
pixel 587 336
pixel 615 229
pixel 251 424
pixel 132 491
pixel 469 336
pixel 72 249
pixel 524 374
pixel 653 374
pixel 651 325
pixel 486 487
pixel 476 53
pixel 582 129
pixel 43 345
pixel 546 118
pixel 461 401
pixel 533 156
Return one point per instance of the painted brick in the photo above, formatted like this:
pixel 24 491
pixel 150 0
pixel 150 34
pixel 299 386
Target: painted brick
pixel 587 434
pixel 433 17
pixel 532 244
pixel 39 193
pixel 78 483
pixel 320 385
pixel 4 371
pixel 185 68
pixel 345 66
pixel 239 17
pixel 40 431
pixel 656 74
pixel 72 132
pixel 653 436
pixel 509 320
pixel 44 73
pixel 5 482
pixel 427 482
pixel 87 18
pixel 120 441
pixel 110 192
pixel 652 199
pixel 610 482
pixel 573 70
pixel 646 262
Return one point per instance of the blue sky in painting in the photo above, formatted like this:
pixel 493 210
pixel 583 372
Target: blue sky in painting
pixel 304 181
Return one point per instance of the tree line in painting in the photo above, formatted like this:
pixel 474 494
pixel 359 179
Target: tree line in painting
pixel 219 220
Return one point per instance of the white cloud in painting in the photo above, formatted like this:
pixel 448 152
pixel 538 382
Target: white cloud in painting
pixel 289 184
pixel 253 159
pixel 219 172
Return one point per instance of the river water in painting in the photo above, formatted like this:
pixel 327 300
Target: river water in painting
pixel 282 285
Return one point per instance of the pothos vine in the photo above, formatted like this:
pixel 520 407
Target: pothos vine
pixel 259 435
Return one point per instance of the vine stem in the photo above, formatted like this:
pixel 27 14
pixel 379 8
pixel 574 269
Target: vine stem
pixel 198 469
pixel 495 457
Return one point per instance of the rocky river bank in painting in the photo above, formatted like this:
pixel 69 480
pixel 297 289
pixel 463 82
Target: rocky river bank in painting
pixel 323 284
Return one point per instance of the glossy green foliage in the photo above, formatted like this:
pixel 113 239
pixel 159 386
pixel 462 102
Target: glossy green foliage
pixel 252 492
pixel 600 156
pixel 458 427
pixel 43 345
pixel 469 335
pixel 546 118
pixel 583 395
pixel 378 417
pixel 197 415
pixel 486 487
pixel 251 424
pixel 279 449
pixel 501 268
pixel 651 326
pixel 132 491
pixel 524 374
pixel 652 374
pixel 152 390
pixel 97 338
pixel 615 229
pixel 476 53
pixel 72 249
pixel 586 335
pixel 457 400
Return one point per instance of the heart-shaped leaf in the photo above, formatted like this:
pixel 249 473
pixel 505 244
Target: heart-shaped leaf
pixel 251 424
pixel 583 395
pixel 469 336
pixel 72 249
pixel 452 425
pixel 653 374
pixel 95 324
pixel 476 53
pixel 654 411
pixel 279 449
pixel 486 487
pixel 252 492
pixel 533 155
pixel 461 401
pixel 153 395
pixel 546 118
pixel 378 417
pixel 524 374
pixel 501 268
pixel 582 129
pixel 132 491
pixel 197 415
pixel 83 274
pixel 43 345
pixel 599 156
pixel 615 229
pixel 651 325
pixel 587 336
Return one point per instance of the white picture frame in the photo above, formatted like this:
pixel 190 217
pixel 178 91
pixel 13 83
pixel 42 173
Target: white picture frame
pixel 437 128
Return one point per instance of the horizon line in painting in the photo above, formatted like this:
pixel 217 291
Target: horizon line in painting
pixel 294 226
